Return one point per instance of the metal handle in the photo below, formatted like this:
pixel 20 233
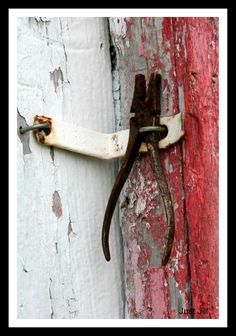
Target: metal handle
pixel 146 107
pixel 135 140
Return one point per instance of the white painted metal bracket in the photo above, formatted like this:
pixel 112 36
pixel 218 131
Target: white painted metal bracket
pixel 100 145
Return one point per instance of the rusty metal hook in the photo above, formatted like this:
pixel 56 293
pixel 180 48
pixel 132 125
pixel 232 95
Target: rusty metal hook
pixel 144 127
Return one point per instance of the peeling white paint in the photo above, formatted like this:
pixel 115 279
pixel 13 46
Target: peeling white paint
pixel 119 27
pixel 118 32
pixel 168 165
pixel 176 205
pixel 148 226
pixel 181 98
pixel 140 206
pixel 60 275
pixel 132 199
pixel 184 42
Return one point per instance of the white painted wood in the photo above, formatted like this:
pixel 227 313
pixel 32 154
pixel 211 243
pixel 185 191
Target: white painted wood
pixel 100 145
pixel 64 72
pixel 175 128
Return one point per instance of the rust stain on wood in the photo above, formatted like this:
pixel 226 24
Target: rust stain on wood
pixel 56 204
pixel 40 134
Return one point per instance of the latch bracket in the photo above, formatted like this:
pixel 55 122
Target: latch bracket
pixel 105 146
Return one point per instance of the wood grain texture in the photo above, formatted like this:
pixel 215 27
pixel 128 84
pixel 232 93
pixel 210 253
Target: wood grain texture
pixel 198 76
pixel 185 52
pixel 64 72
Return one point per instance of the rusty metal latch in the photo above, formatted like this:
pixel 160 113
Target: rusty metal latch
pixel 144 136
pixel 57 133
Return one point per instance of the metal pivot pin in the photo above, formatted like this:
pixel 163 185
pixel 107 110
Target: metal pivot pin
pixel 152 129
pixel 23 130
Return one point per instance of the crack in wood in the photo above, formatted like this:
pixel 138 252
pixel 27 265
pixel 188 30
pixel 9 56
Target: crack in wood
pixel 52 153
pixel 52 315
pixel 57 205
pixel 55 76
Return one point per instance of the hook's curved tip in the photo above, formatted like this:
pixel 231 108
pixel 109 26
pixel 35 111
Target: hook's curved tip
pixel 105 247
pixel 106 254
pixel 107 257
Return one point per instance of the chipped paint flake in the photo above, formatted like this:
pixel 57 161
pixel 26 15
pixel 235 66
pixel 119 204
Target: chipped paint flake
pixel 118 30
pixel 181 98
pixel 148 226
pixel 56 204
pixel 168 165
pixel 132 199
pixel 137 277
pixel 120 27
pixel 56 76
pixel 140 206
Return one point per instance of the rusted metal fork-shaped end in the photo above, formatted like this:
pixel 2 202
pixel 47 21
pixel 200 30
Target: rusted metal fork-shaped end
pixel 147 113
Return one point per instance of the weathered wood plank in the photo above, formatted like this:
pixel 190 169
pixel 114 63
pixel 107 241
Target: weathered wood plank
pixel 196 43
pixel 171 47
pixel 64 72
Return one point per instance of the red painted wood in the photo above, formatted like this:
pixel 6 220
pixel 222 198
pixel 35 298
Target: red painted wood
pixel 185 52
pixel 198 75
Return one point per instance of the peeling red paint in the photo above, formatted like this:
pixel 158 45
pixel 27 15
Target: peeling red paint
pixel 158 301
pixel 142 50
pixel 157 64
pixel 129 23
pixel 167 30
pixel 190 85
pixel 200 159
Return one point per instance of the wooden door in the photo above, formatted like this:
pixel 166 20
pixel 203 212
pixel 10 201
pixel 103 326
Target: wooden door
pixel 82 70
